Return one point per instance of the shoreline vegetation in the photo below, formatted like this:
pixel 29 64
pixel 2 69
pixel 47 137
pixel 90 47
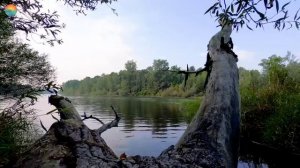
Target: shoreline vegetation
pixel 270 99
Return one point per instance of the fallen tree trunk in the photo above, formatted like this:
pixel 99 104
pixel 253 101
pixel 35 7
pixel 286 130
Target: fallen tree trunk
pixel 211 140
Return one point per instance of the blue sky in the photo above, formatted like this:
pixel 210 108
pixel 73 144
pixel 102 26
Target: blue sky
pixel 144 30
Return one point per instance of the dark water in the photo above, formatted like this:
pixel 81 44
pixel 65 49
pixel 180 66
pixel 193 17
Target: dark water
pixel 147 125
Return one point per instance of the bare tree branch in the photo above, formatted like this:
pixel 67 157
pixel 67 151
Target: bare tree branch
pixel 85 117
pixel 113 123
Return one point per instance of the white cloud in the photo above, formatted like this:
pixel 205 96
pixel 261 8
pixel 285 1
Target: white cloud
pixel 247 59
pixel 92 45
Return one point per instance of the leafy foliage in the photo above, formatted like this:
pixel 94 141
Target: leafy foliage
pixel 257 12
pixel 17 131
pixel 21 69
pixel 23 72
pixel 270 99
pixel 35 19
pixel 270 102
pixel 153 81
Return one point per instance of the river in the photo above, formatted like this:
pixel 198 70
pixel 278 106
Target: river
pixel 147 125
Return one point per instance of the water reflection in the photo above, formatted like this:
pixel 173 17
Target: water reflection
pixel 253 155
pixel 147 125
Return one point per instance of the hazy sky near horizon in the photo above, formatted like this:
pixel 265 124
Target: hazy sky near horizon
pixel 144 30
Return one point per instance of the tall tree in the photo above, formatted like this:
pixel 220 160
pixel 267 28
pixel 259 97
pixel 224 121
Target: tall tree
pixel 130 66
pixel 21 68
pixel 160 74
pixel 23 73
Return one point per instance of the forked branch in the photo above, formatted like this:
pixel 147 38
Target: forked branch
pixel 92 117
pixel 111 124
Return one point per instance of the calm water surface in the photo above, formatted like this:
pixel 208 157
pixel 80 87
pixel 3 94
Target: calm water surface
pixel 147 125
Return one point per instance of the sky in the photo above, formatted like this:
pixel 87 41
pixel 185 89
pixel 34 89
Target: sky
pixel 144 30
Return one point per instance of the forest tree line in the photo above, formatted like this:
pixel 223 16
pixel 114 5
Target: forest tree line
pixel 270 98
pixel 155 80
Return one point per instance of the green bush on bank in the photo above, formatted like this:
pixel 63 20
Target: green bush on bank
pixel 15 134
pixel 270 99
pixel 271 103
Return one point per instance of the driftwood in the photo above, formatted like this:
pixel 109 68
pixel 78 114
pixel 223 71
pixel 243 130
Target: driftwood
pixel 210 141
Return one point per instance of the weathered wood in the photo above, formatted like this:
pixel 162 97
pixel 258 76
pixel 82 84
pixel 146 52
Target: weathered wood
pixel 210 141
pixel 217 122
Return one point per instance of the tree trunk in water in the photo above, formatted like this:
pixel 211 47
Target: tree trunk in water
pixel 210 141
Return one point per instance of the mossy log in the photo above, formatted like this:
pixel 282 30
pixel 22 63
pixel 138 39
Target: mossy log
pixel 210 141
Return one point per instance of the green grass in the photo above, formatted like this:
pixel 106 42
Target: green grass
pixel 189 107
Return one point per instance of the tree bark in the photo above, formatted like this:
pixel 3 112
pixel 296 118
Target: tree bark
pixel 210 141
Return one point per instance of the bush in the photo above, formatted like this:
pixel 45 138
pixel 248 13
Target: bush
pixel 283 127
pixel 270 103
pixel 16 134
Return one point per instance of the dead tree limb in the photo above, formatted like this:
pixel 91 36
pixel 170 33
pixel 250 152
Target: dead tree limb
pixel 217 122
pixel 113 123
pixel 85 117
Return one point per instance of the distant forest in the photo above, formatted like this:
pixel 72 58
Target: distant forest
pixel 269 98
pixel 155 80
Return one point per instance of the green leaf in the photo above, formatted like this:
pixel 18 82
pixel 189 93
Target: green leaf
pixel 239 7
pixel 214 10
pixel 209 9
pixel 230 14
pixel 227 9
pixel 277 5
pixel 296 24
pixel 266 3
pixel 282 8
pixel 296 14
pixel 261 15
pixel 283 26
pixel 249 27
